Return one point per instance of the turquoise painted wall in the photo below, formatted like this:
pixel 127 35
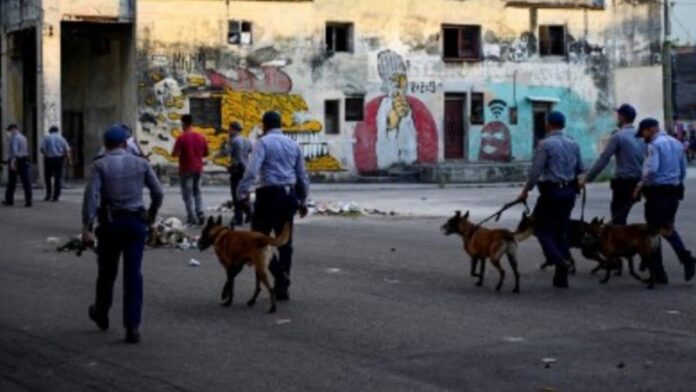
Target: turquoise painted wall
pixel 584 123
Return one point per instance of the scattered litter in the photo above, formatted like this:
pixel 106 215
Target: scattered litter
pixel 393 250
pixel 392 281
pixel 514 339
pixel 649 364
pixel 171 232
pixel 621 365
pixel 424 198
pixel 333 270
pixel 76 245
pixel 226 206
pixel 283 321
pixel 548 362
pixel 53 240
pixel 673 312
pixel 348 209
pixel 194 263
pixel 92 364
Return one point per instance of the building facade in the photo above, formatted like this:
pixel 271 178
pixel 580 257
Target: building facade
pixel 363 86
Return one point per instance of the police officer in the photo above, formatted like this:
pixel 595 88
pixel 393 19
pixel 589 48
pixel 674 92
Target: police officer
pixel 556 166
pixel 663 187
pixel 278 162
pixel 238 149
pixel 629 152
pixel 114 194
pixel 20 166
pixel 56 151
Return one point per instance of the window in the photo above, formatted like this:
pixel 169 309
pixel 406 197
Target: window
pixel 354 108
pixel 239 32
pixel 206 112
pixel 332 117
pixel 339 37
pixel 477 116
pixel 552 41
pixel 461 43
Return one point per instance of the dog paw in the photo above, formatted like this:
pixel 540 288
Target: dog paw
pixel 479 284
pixel 251 303
pixel 272 310
pixel 516 290
pixel 604 281
pixel 226 304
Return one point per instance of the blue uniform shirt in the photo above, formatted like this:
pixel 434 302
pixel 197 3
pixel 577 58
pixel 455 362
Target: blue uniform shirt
pixel 118 178
pixel 629 152
pixel 54 145
pixel 18 146
pixel 557 159
pixel 277 160
pixel 239 148
pixel 666 161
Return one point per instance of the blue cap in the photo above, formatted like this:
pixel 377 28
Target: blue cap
pixel 628 112
pixel 556 118
pixel 115 135
pixel 646 124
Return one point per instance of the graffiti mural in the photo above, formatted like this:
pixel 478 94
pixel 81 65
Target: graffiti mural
pixel 398 128
pixel 496 140
pixel 243 95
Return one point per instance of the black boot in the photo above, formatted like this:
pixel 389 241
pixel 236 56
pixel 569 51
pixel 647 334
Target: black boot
pixel 101 321
pixel 560 278
pixel 689 266
pixel 132 336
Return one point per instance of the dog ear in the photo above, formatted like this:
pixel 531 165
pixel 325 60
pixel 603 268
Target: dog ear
pixel 458 214
pixel 466 216
pixel 210 221
pixel 219 220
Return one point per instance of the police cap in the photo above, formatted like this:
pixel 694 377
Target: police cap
pixel 556 118
pixel 627 111
pixel 646 124
pixel 115 135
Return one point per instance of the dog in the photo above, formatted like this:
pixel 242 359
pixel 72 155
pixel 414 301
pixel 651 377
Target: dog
pixel 616 242
pixel 577 239
pixel 481 243
pixel 235 249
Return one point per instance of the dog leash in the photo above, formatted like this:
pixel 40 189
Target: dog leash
pixel 499 213
pixel 583 203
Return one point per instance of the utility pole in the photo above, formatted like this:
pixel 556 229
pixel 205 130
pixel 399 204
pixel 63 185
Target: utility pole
pixel 667 81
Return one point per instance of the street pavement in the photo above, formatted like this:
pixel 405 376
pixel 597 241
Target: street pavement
pixel 378 304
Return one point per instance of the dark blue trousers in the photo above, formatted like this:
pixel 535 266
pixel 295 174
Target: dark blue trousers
pixel 124 236
pixel 661 206
pixel 23 171
pixel 552 218
pixel 274 207
pixel 53 173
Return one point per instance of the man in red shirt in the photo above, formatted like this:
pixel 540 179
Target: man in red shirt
pixel 191 148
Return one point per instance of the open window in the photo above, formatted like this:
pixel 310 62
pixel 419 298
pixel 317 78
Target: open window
pixel 206 112
pixel 339 37
pixel 332 119
pixel 477 116
pixel 355 106
pixel 552 40
pixel 461 43
pixel 239 33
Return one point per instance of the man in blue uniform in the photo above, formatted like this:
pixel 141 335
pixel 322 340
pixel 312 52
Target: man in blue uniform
pixel 278 162
pixel 555 169
pixel 663 187
pixel 238 148
pixel 20 166
pixel 629 153
pixel 114 195
pixel 56 152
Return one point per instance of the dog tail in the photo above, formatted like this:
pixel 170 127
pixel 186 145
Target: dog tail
pixel 283 238
pixel 521 235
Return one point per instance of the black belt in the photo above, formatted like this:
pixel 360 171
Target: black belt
pixel 271 187
pixel 128 213
pixel 557 185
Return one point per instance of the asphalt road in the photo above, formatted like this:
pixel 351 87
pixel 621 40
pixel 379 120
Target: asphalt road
pixel 378 304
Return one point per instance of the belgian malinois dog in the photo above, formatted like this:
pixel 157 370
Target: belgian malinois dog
pixel 481 243
pixel 617 242
pixel 235 249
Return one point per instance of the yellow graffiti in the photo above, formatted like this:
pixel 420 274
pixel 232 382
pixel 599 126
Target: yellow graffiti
pixel 400 107
pixel 325 163
pixel 196 80
pixel 247 107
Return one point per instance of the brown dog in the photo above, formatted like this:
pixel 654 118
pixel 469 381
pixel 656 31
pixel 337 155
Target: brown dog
pixel 617 242
pixel 481 243
pixel 235 249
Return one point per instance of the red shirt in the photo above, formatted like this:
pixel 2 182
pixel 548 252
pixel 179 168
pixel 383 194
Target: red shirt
pixel 190 148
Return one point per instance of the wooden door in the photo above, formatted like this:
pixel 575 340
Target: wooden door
pixel 454 127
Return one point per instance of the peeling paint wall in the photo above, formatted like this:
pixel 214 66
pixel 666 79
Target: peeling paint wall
pixel 396 63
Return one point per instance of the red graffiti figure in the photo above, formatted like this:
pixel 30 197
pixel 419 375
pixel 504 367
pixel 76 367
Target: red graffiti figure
pixel 496 145
pixel 365 151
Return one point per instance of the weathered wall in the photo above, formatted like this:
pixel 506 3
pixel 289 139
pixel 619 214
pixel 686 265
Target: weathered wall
pixel 397 63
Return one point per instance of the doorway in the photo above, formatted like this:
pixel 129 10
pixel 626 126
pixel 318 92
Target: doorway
pixel 455 127
pixel 97 84
pixel 540 110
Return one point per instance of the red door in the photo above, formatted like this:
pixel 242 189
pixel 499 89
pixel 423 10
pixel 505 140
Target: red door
pixel 454 128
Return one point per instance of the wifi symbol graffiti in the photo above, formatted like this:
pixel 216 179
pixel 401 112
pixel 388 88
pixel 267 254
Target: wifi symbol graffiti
pixel 497 107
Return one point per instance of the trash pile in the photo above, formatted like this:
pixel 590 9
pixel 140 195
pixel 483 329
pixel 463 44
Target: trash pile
pixel 346 209
pixel 171 232
pixel 74 244
pixel 227 206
